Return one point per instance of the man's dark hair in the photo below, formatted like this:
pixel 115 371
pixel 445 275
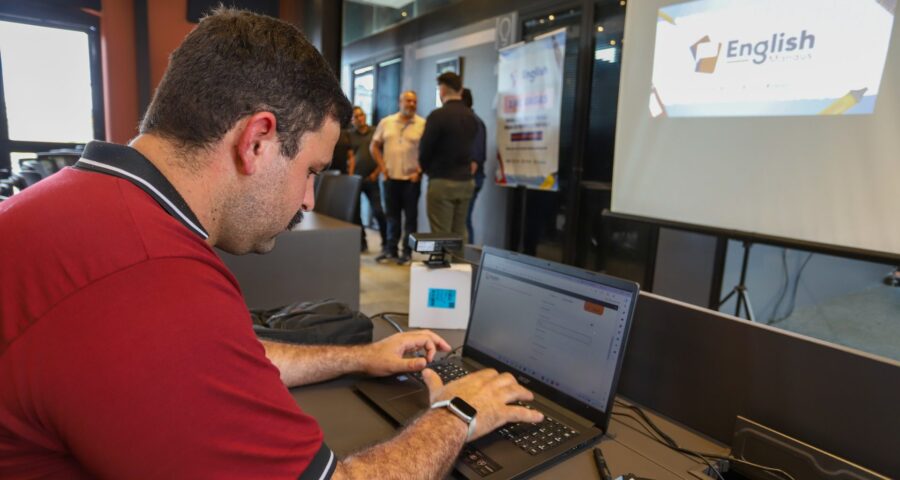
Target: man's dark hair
pixel 237 63
pixel 451 80
pixel 467 97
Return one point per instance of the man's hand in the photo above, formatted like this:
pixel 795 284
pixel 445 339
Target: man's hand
pixel 490 393
pixel 415 177
pixel 386 356
pixel 473 167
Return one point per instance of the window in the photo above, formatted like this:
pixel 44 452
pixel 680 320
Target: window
pixel 545 221
pixel 364 88
pixel 50 93
pixel 388 89
pixel 609 28
pixel 376 88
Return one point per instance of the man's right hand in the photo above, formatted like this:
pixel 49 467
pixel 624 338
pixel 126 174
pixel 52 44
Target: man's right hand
pixel 490 394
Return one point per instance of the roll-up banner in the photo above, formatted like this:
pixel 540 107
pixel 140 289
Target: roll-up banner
pixel 529 89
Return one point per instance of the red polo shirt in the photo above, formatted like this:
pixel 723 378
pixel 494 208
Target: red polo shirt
pixel 126 349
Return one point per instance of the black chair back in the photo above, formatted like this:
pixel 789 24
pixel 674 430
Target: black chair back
pixel 29 178
pixel 34 165
pixel 338 196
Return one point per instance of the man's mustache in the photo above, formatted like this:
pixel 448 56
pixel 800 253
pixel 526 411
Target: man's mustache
pixel 298 217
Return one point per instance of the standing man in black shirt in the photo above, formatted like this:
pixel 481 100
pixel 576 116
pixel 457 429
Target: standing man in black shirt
pixel 365 166
pixel 445 155
pixel 479 155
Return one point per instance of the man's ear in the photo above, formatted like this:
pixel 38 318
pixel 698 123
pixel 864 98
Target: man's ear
pixel 257 134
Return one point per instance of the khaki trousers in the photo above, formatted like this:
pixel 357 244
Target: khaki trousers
pixel 448 205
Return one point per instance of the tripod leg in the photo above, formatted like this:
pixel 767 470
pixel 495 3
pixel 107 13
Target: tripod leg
pixel 745 295
pixel 727 297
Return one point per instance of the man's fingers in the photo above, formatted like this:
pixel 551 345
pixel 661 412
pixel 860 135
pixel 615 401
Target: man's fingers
pixel 485 373
pixel 522 414
pixel 505 379
pixel 432 380
pixel 430 350
pixel 516 393
pixel 441 344
pixel 416 364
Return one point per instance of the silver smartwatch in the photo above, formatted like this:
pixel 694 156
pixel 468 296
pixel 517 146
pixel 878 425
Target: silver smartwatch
pixel 461 409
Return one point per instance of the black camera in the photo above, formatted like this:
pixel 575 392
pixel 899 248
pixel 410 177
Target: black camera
pixel 436 246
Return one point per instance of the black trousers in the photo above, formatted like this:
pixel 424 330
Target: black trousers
pixel 371 190
pixel 402 199
pixel 479 182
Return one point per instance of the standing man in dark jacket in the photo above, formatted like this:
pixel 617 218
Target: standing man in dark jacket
pixel 445 155
pixel 479 155
pixel 366 167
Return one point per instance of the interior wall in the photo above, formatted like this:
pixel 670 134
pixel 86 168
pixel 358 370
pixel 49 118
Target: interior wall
pixel 167 26
pixel 117 47
pixel 475 44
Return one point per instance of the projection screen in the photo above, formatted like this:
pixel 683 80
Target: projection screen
pixel 778 118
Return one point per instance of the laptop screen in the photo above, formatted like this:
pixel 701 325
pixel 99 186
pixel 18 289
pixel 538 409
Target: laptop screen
pixel 563 330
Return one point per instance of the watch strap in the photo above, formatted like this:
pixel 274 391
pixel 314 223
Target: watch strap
pixel 470 421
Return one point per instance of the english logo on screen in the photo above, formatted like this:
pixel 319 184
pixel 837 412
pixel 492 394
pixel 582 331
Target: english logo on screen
pixel 703 54
pixel 734 58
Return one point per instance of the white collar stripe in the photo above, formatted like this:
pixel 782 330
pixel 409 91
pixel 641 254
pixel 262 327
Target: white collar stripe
pixel 328 467
pixel 150 186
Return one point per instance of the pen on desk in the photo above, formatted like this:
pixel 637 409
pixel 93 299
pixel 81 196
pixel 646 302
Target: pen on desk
pixel 601 464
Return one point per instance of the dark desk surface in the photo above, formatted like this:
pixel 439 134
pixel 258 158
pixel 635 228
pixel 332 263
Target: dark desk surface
pixel 350 424
pixel 313 221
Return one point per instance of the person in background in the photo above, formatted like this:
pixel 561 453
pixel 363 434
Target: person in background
pixel 342 158
pixel 445 155
pixel 479 154
pixel 395 148
pixel 364 165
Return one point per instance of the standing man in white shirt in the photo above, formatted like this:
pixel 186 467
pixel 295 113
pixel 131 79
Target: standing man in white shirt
pixel 395 147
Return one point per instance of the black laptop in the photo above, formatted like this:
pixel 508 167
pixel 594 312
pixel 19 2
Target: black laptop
pixel 561 331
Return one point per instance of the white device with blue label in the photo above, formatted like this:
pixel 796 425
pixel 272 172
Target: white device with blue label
pixel 440 297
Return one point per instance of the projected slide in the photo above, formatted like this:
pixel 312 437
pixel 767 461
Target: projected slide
pixel 730 58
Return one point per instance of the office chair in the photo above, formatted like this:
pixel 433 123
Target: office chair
pixel 29 178
pixel 57 159
pixel 338 196
pixel 34 165
pixel 324 173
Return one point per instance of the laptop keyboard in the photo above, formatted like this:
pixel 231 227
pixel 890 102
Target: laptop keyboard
pixel 446 370
pixel 533 438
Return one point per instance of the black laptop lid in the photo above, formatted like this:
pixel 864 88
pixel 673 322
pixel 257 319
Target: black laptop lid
pixel 562 330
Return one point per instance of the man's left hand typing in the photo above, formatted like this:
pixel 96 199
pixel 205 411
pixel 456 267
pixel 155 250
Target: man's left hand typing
pixel 390 355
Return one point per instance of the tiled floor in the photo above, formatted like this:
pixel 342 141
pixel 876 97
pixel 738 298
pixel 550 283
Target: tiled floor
pixel 383 287
pixel 868 321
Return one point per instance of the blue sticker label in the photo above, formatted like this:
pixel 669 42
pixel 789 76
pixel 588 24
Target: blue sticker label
pixel 441 298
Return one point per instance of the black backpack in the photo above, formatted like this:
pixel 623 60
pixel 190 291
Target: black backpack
pixel 324 322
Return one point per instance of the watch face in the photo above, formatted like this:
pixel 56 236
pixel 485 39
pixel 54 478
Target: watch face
pixel 463 407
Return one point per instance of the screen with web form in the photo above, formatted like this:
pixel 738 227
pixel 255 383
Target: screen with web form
pixel 560 329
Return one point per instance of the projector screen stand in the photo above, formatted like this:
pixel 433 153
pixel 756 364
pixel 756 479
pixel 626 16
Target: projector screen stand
pixel 743 295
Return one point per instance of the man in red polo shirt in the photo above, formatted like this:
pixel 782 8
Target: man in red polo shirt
pixel 126 350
